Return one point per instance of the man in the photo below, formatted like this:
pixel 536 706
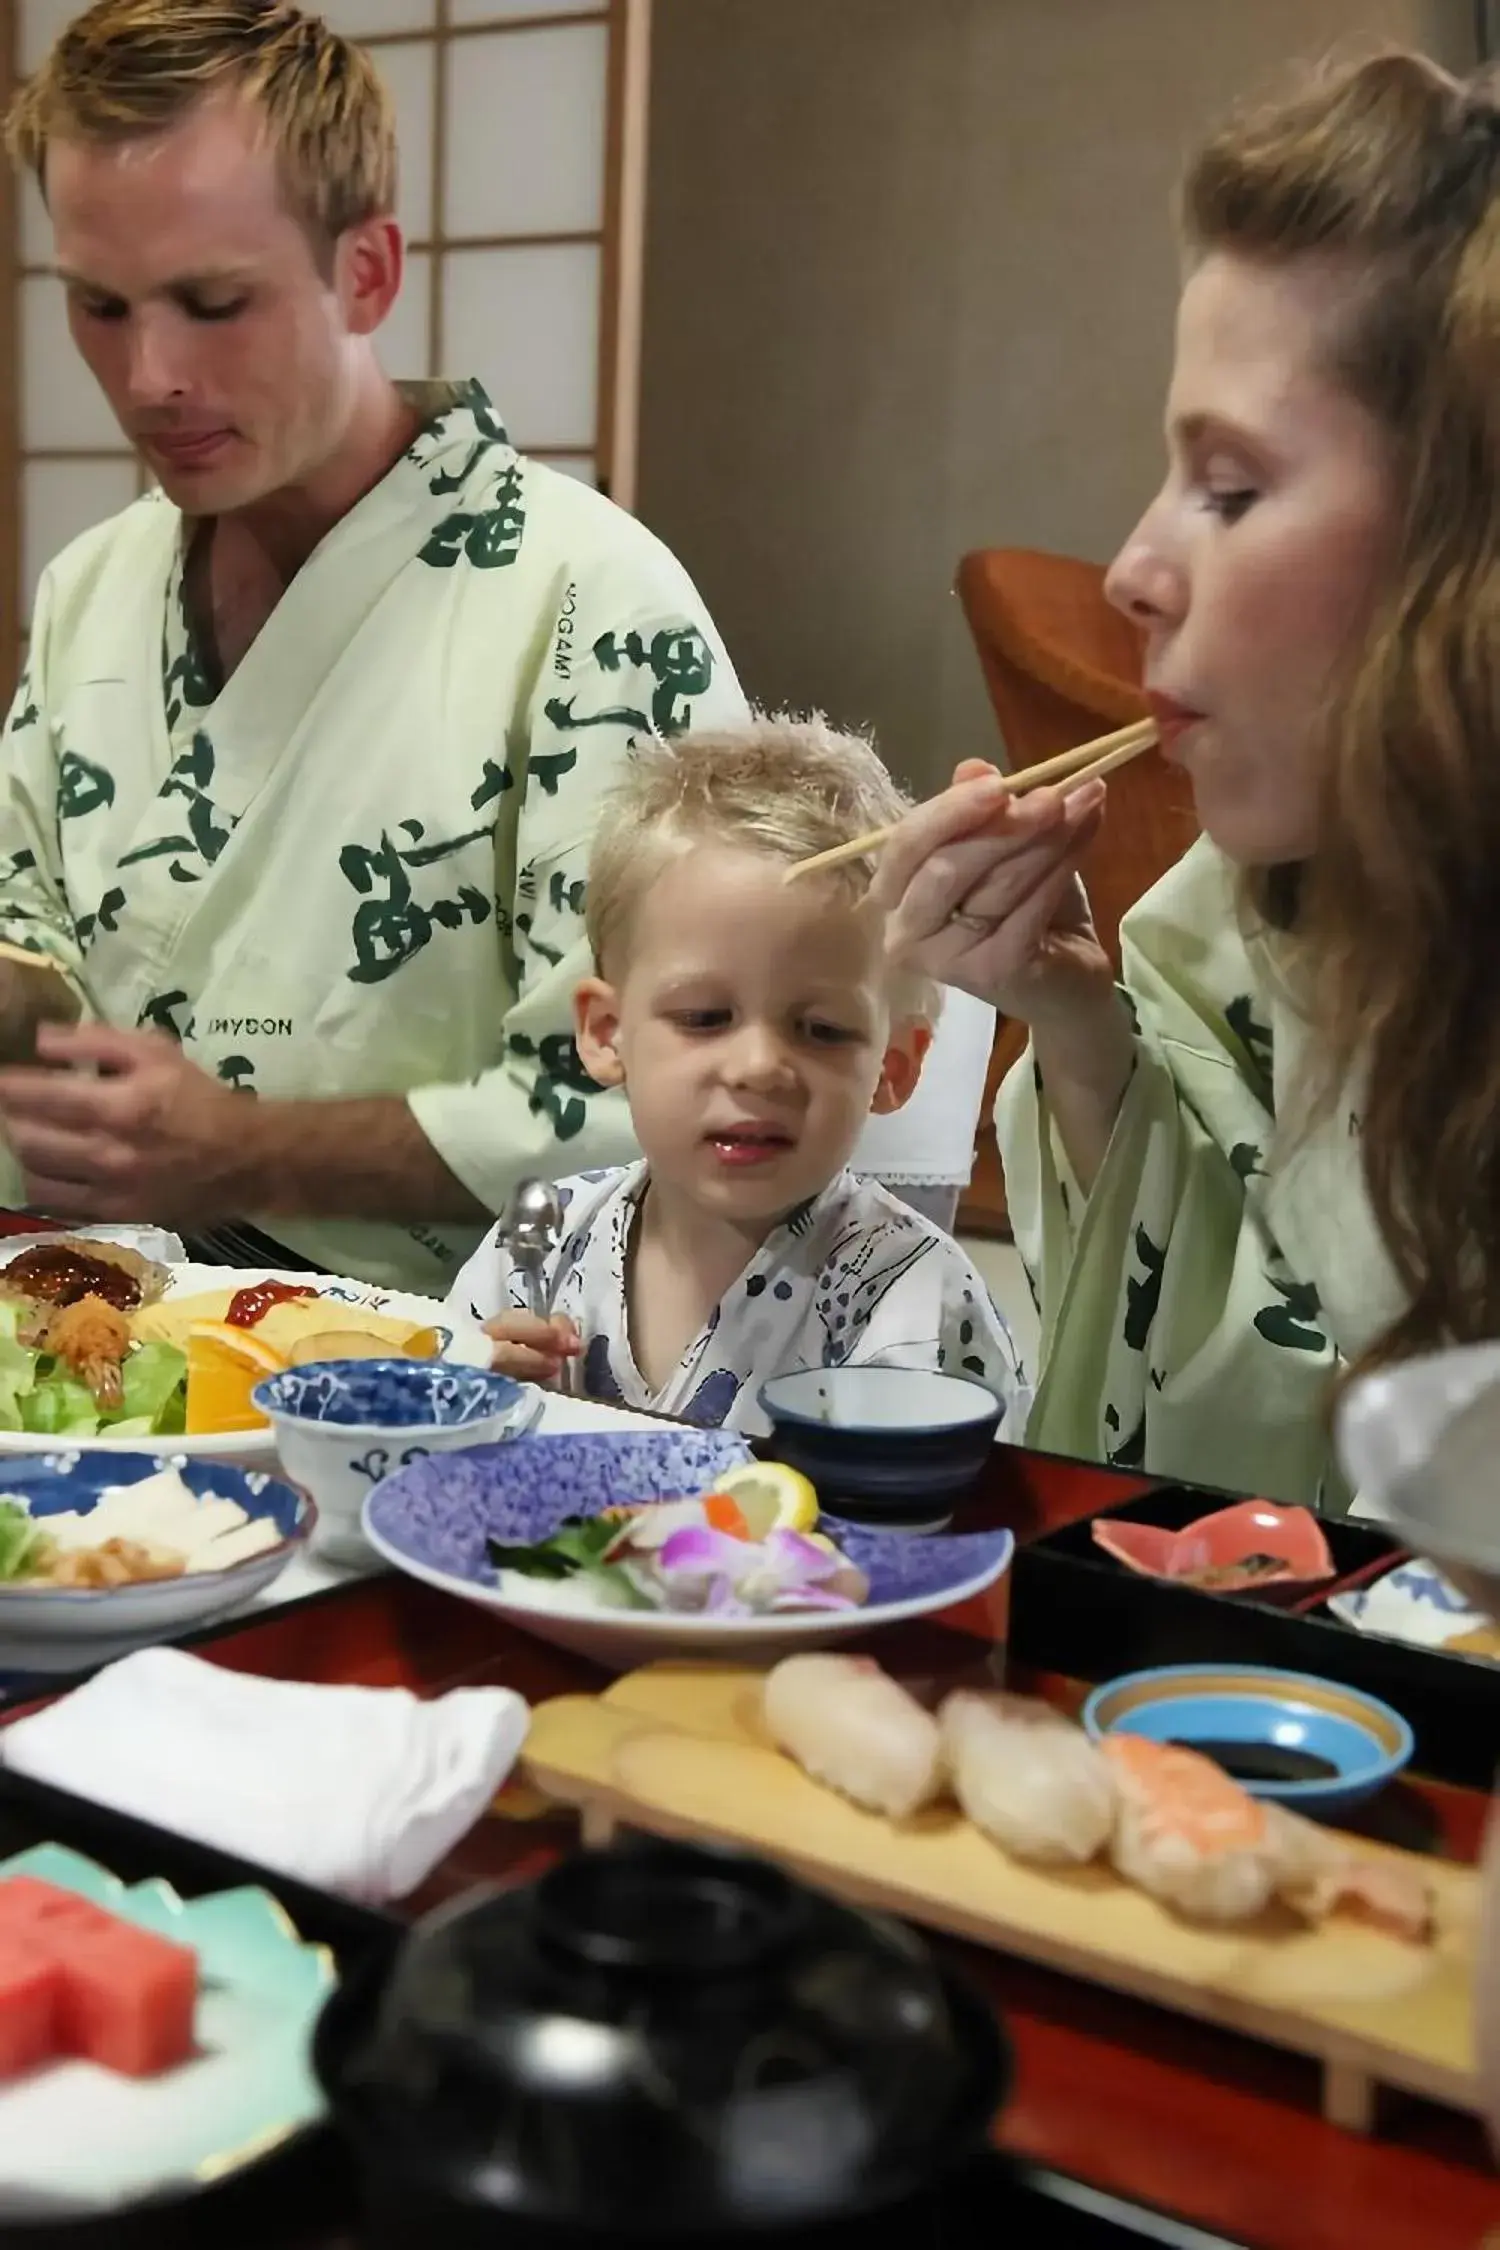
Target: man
pixel 298 788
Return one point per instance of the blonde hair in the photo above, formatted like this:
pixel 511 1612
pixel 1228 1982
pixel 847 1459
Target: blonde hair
pixel 781 785
pixel 126 69
pixel 1390 170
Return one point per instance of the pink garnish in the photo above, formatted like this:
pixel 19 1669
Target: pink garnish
pixel 704 1550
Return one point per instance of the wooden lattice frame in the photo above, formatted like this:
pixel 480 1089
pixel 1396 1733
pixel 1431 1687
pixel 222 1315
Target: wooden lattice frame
pixel 618 237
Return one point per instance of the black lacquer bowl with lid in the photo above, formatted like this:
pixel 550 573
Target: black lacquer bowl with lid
pixel 657 2044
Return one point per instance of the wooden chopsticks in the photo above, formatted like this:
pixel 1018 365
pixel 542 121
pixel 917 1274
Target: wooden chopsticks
pixel 1083 764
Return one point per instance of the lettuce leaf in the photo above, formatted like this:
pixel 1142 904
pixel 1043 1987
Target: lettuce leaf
pixel 59 1405
pixel 19 1535
pixel 42 1395
pixel 150 1377
pixel 17 1377
pixel 171 1421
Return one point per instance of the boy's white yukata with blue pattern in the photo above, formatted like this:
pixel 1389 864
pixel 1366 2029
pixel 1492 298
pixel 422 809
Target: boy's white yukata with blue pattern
pixel 854 1278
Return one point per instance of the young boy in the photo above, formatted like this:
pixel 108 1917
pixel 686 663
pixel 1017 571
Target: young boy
pixel 753 1026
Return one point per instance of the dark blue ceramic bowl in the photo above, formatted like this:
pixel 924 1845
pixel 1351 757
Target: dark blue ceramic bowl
pixel 893 1446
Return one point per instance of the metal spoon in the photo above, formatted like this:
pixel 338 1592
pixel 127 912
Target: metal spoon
pixel 530 1231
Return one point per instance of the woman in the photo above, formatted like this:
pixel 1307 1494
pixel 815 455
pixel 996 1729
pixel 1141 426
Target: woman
pixel 1275 1149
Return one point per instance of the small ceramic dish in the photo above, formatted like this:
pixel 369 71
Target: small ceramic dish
pixel 1419 1443
pixel 341 1425
pixel 894 1446
pixel 1414 1603
pixel 1256 1547
pixel 51 1484
pixel 80 2144
pixel 434 1520
pixel 1303 1742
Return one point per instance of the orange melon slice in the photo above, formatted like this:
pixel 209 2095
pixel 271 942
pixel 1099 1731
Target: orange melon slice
pixel 224 1366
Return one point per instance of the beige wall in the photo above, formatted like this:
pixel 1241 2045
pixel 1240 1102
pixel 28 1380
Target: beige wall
pixel 909 291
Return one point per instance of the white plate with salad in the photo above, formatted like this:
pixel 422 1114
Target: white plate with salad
pixel 103 1347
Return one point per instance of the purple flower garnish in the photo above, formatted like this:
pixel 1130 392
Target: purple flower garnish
pixel 678 1561
pixel 811 1597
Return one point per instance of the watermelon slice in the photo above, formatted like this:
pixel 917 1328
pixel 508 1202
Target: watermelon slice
pixel 28 1906
pixel 127 1999
pixel 76 1980
pixel 30 1997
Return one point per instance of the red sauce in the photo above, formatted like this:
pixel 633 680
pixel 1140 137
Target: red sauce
pixel 252 1305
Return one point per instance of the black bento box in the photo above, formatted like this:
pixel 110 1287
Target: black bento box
pixel 1076 1611
pixel 292 2192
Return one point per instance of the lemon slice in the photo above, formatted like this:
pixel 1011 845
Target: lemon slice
pixel 771 1497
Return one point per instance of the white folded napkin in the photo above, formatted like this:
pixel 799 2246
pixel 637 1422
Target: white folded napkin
pixel 360 1790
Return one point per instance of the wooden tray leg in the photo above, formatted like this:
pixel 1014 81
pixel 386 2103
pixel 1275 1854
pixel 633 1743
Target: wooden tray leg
pixel 597 1827
pixel 1349 2096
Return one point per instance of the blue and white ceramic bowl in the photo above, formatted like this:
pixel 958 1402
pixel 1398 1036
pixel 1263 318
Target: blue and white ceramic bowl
pixel 342 1425
pixel 1254 1719
pixel 434 1518
pixel 51 1484
pixel 897 1446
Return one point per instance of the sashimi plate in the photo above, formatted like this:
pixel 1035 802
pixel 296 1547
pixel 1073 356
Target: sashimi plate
pixel 434 1519
pixel 463 1341
pixel 77 2140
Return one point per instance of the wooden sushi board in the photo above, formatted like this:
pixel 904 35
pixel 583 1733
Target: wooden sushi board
pixel 678 1750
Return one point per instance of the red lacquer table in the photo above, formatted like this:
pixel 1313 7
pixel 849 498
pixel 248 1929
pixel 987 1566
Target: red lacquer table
pixel 1154 2107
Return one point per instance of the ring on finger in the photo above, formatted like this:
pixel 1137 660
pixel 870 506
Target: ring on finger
pixel 974 922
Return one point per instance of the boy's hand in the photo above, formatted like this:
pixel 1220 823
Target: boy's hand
pixel 530 1350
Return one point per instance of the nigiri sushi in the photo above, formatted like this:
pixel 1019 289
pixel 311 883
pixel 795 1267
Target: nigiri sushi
pixel 851 1726
pixel 1318 1873
pixel 1188 1834
pixel 1031 1781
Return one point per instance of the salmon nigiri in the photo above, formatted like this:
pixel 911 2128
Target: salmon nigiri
pixel 1188 1834
pixel 1194 1839
pixel 1320 1873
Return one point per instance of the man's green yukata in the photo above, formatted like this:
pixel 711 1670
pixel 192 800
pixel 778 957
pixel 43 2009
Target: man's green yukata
pixel 358 868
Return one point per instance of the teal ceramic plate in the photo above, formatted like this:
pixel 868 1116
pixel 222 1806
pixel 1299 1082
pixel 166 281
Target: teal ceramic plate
pixel 76 2139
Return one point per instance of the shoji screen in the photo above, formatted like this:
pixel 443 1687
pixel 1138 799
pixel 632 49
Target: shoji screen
pixel 522 129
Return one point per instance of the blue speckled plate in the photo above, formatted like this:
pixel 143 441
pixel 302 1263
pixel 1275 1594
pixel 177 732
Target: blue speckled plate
pixel 433 1519
pixel 77 2140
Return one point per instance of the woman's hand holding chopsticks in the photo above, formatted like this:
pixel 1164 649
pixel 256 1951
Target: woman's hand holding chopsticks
pixel 982 891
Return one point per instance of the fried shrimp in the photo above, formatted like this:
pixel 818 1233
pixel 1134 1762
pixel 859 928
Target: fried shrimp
pixel 93 1338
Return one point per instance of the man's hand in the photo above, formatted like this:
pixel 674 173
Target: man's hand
pixel 33 991
pixel 124 1126
pixel 152 1136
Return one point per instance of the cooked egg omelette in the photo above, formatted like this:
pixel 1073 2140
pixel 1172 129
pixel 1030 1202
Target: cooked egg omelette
pixel 283 1326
